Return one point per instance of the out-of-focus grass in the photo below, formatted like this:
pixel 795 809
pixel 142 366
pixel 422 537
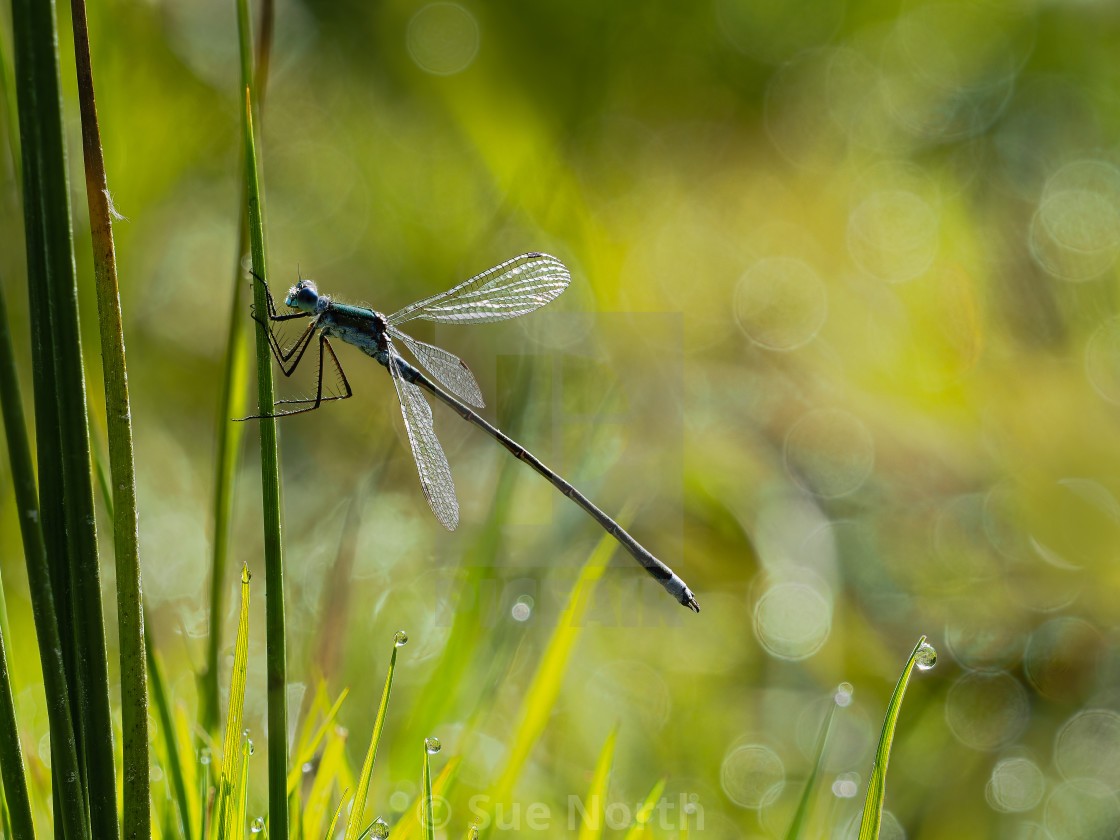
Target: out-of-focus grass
pixel 882 400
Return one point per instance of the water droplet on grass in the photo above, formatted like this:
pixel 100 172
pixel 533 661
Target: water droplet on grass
pixel 926 658
pixel 432 745
pixel 257 825
pixel 400 639
pixel 380 829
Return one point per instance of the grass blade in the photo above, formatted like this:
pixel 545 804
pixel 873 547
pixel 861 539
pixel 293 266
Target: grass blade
pixel 231 403
pixel 592 829
pixel 242 792
pixel 334 820
pixel 63 448
pixel 136 815
pixel 409 823
pixel 167 726
pixel 646 811
pixel 11 759
pixel 275 645
pixel 431 746
pixel 354 823
pixel 801 813
pixel 306 751
pixel 536 708
pixel 923 656
pixel 231 753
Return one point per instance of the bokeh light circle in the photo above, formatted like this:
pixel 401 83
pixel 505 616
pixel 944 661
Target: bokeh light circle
pixel 893 235
pixel 1075 232
pixel 986 711
pixel 1016 784
pixel 792 620
pixel 780 303
pixel 752 776
pixel 1102 360
pixel 1082 809
pixel 442 38
pixel 1088 747
pixel 829 452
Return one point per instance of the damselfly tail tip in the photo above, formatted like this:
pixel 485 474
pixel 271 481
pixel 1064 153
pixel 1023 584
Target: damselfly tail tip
pixel 689 600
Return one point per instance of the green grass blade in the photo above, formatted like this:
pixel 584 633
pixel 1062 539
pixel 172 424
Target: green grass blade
pixel 231 752
pixel 136 815
pixel 231 403
pixel 354 823
pixel 337 813
pixel 11 759
pixel 307 750
pixel 63 444
pixel 924 656
pixel 536 708
pixel 591 826
pixel 242 792
pixel 409 823
pixel 175 773
pixel 275 645
pixel 646 811
pixel 431 746
pixel 801 813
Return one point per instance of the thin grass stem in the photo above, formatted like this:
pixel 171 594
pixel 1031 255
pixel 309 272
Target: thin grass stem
pixel 275 644
pixel 136 814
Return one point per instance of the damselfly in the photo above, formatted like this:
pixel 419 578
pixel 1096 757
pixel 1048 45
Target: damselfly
pixel 514 288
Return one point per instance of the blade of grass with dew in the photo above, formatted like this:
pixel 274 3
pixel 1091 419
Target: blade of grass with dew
pixel 924 656
pixel 231 403
pixel 597 791
pixel 167 727
pixel 136 814
pixel 536 708
pixel 409 824
pixel 231 752
pixel 801 813
pixel 354 823
pixel 275 644
pixel 337 813
pixel 431 746
pixel 50 266
pixel 242 793
pixel 306 751
pixel 11 759
pixel 641 818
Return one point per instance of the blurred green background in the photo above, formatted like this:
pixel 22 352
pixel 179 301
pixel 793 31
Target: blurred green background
pixel 842 337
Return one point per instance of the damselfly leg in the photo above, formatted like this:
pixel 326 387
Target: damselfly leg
pixel 294 354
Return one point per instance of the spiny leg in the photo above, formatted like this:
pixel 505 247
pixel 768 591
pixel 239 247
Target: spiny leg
pixel 278 352
pixel 318 399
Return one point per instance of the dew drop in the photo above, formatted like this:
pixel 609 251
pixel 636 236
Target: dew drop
pixel 257 825
pixel 307 767
pixel 380 829
pixel 245 574
pixel 432 745
pixel 473 833
pixel 204 757
pixel 400 639
pixel 843 695
pixel 249 745
pixel 926 658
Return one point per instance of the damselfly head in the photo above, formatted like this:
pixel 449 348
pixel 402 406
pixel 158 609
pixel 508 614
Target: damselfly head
pixel 303 296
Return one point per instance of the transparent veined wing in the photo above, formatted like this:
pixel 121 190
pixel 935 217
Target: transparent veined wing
pixel 514 288
pixel 431 463
pixel 448 368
